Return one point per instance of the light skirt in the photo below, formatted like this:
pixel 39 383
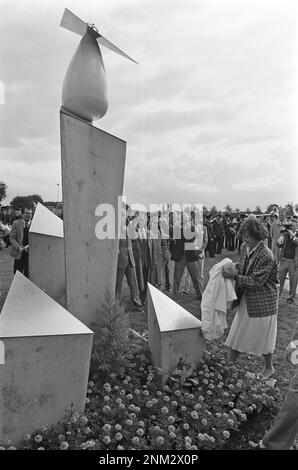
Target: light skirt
pixel 252 335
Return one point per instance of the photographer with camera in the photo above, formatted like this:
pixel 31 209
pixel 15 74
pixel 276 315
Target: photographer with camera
pixel 288 244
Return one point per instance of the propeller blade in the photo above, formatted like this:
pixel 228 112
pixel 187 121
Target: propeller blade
pixel 104 42
pixel 73 23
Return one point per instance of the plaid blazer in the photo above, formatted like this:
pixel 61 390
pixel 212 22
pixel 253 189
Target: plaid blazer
pixel 260 282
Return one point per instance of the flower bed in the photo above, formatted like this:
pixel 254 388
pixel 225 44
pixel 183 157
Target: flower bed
pixel 128 408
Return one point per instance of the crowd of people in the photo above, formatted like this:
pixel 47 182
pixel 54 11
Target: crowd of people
pixel 169 250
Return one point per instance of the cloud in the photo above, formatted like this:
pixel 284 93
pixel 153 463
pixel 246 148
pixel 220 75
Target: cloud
pixel 267 183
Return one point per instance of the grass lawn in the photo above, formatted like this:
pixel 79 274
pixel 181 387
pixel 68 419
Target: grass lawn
pixel 254 428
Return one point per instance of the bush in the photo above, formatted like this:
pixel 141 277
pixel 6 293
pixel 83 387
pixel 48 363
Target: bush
pixel 111 340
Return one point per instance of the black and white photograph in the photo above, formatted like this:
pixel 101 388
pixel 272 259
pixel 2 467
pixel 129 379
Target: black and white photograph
pixel 148 229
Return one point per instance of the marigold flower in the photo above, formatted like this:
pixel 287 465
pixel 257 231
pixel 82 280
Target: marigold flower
pixel 120 448
pixel 204 422
pixel 87 401
pixel 164 410
pixel 106 427
pixel 160 440
pixel 129 422
pixel 209 393
pixel 178 393
pixel 172 435
pixel 106 439
pixel 116 387
pixel 159 393
pixel 106 409
pixel 41 448
pixel 64 445
pixel 27 437
pixel 200 398
pixel 186 426
pixel 183 408
pixel 226 434
pixel 135 440
pixel 230 422
pixel 38 438
pixel 141 423
pixel 145 392
pixel 171 419
pixel 201 437
pixel 121 406
pixel 83 420
pixel 118 436
pixel 91 383
pixel 174 403
pixel 194 414
pixel 61 437
pixel 149 404
pixel 140 432
pixel 137 391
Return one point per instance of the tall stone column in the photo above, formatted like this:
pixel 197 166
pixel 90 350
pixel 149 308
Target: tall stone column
pixel 93 164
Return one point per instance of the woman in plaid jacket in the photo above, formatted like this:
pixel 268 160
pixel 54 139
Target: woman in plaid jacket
pixel 254 327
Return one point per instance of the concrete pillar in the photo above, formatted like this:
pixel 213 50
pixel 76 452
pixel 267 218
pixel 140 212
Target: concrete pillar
pixel 92 174
pixel 46 256
pixel 45 370
pixel 174 333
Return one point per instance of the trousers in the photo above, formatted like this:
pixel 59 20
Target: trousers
pixel 284 430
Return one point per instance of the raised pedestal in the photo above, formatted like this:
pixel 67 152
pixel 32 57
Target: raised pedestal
pixel 174 333
pixel 44 374
pixel 47 258
pixel 92 174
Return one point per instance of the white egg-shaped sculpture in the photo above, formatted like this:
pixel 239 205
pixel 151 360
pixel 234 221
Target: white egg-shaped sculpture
pixel 84 91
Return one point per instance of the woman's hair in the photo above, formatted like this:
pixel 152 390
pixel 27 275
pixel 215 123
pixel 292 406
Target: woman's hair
pixel 254 228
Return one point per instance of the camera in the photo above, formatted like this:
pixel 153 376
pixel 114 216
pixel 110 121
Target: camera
pixel 285 228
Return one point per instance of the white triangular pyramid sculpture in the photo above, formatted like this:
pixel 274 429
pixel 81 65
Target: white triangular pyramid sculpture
pixel 45 370
pixel 28 311
pixel 45 222
pixel 174 333
pixel 46 253
pixel 170 315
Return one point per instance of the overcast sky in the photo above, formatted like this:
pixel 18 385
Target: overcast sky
pixel 209 114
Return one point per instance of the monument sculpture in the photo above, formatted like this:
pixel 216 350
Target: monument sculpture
pixel 46 260
pixel 45 369
pixel 174 333
pixel 84 91
pixel 92 174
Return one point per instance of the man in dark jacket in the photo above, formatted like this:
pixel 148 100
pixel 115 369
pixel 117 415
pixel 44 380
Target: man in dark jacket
pixel 219 233
pixel 183 256
pixel 211 241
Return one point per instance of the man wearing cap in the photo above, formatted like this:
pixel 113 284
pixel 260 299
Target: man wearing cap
pixel 19 239
pixel 288 244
